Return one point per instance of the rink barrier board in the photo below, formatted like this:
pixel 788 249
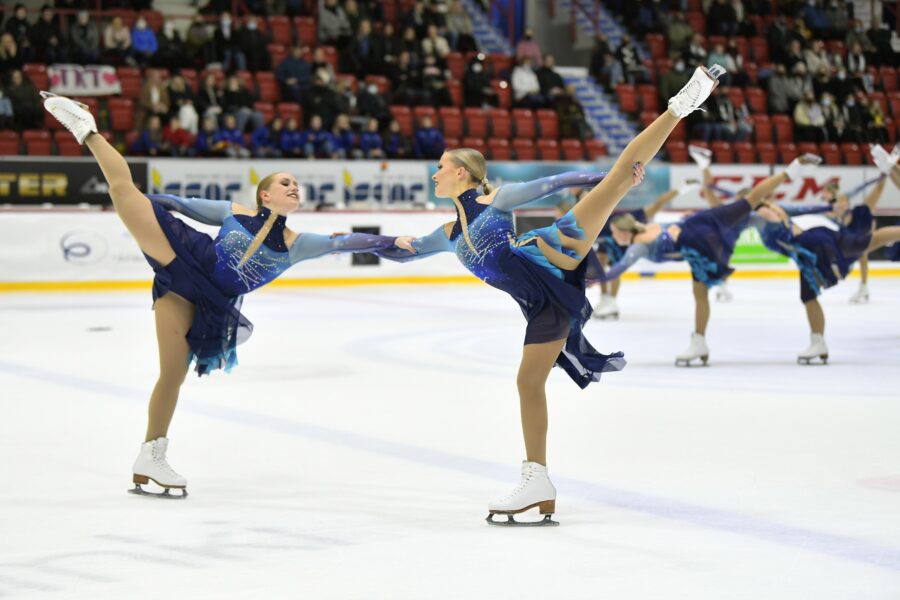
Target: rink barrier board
pixel 326 282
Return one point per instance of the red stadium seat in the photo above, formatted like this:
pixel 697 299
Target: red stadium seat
pixel 524 149
pixel 476 122
pixel 787 151
pixel 831 152
pixel 677 151
pixel 121 114
pixel 523 118
pixel 278 53
pixel 853 153
pixel 307 34
pixel 762 128
pixel 499 149
pixel 267 87
pixel 894 103
pixel 783 126
pixel 280 29
pixel 9 143
pixel 67 145
pixel 756 100
pixel 501 123
pixel 697 21
pixel 572 150
pixel 457 65
pixel 37 75
pixel 403 116
pixel 37 142
pixel 503 91
pixel 548 150
pixel 808 148
pixel 154 18
pixel 888 78
pixel 628 99
pixel 766 152
pixel 595 149
pixel 475 143
pixel 723 152
pixel 419 112
pixel 745 152
pixel 456 93
pixel 649 97
pixel 657 44
pixel 760 47
pixel 501 64
pixel 266 109
pixel 451 121
pixel 549 123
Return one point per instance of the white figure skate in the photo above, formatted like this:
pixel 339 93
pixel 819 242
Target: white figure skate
pixel 607 308
pixel 884 161
pixel 696 350
pixel 723 294
pixel 861 296
pixel 702 156
pixel 74 116
pixel 150 465
pixel 817 349
pixel 695 91
pixel 534 489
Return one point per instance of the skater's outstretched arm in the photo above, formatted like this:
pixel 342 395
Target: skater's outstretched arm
pixel 796 211
pixel 209 212
pixel 632 255
pixel 513 195
pixel 407 249
pixel 314 245
pixel 874 196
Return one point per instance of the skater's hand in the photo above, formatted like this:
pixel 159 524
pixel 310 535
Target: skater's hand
pixel 404 242
pixel 338 234
pixel 637 174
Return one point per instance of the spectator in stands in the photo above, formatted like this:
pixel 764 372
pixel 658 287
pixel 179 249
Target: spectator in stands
pixel 779 101
pixel 84 39
pixel 346 99
pixel 429 141
pixel 798 84
pixel 525 85
pixel 815 18
pixel 856 64
pixel 334 27
pixel 877 133
pixel 857 35
pixel 817 57
pixel 527 47
pixel 26 104
pixel 321 66
pixel 265 141
pixel 721 19
pixel 632 66
pixel 206 143
pixel 842 86
pixel 7 116
pixel 397 145
pixel 182 104
pixel 551 82
pixel 354 15
pixel 695 54
pixel 318 141
pixel 369 103
pixel 321 100
pixel 674 80
pixel 880 37
pixel 794 55
pixel 292 139
pixel 477 90
pixel 361 56
pixel 154 98
pixel 834 118
pixel 46 37
pixel 232 137
pixel 734 62
pixel 18 27
pixel 809 119
pixel 434 84
pixel 150 142
pixel 117 42
pixel 570 113
pixel 822 81
pixel 743 27
pixel 170 51
pixel 679 33
pixel 294 75
pixel 837 18
pixel 459 28
pixel 410 43
pixel 197 46
pixel 227 45
pixel 371 145
pixel 417 19
pixel 778 36
pixel 435 45
pixel 600 51
pixel 718 56
pixel 437 14
pixel 179 139
pixel 237 100
pixel 343 138
pixel 406 81
pixel 253 44
pixel 856 117
pixel 10 58
pixel 389 45
pixel 209 97
pixel 144 42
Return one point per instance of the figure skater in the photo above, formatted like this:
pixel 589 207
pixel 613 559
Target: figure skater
pixel 706 240
pixel 199 282
pixel 543 270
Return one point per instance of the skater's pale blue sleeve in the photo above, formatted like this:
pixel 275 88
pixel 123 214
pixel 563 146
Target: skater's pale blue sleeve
pixel 631 256
pixel 796 211
pixel 314 245
pixel 514 195
pixel 429 245
pixel 209 212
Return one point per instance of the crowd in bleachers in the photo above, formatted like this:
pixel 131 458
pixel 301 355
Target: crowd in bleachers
pixel 803 76
pixel 356 79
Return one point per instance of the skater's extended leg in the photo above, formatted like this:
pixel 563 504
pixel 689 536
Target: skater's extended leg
pixel 883 237
pixel 174 315
pixel 701 307
pixel 537 361
pixel 815 315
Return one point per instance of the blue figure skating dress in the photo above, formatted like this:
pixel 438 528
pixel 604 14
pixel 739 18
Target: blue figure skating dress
pixel 207 272
pixel 551 299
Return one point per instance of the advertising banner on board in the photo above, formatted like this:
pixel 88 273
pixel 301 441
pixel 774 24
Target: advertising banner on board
pixel 25 181
pixel 83 80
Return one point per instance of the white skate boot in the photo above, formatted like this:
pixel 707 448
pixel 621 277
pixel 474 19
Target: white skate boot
pixel 817 349
pixel 696 349
pixel 702 156
pixel 607 308
pixel 73 115
pixel 723 294
pixel 861 296
pixel 533 490
pixel 696 91
pixel 884 161
pixel 151 465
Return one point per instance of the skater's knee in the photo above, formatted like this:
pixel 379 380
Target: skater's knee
pixel 172 376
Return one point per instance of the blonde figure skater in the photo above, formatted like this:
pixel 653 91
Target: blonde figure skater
pixel 543 270
pixel 199 281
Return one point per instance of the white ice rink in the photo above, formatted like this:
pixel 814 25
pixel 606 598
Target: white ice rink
pixel 353 451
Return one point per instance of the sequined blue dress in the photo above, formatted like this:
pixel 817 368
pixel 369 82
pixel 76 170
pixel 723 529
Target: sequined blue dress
pixel 207 272
pixel 551 299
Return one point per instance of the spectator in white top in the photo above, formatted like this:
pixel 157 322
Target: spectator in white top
pixel 526 86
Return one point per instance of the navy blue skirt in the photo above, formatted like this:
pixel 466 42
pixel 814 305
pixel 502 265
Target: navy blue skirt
pixel 218 325
pixel 708 238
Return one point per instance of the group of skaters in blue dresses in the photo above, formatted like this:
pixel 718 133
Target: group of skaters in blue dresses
pixel 200 281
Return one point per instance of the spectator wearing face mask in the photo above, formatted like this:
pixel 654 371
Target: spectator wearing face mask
pixel 674 80
pixel 228 49
pixel 779 102
pixel 857 119
pixel 254 45
pixel 170 52
pixel 837 18
pixel 834 118
pixel 143 40
pixel 809 120
pixel 526 87
pixel 477 90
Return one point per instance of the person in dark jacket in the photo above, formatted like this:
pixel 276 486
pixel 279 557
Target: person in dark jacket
pixel 429 141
